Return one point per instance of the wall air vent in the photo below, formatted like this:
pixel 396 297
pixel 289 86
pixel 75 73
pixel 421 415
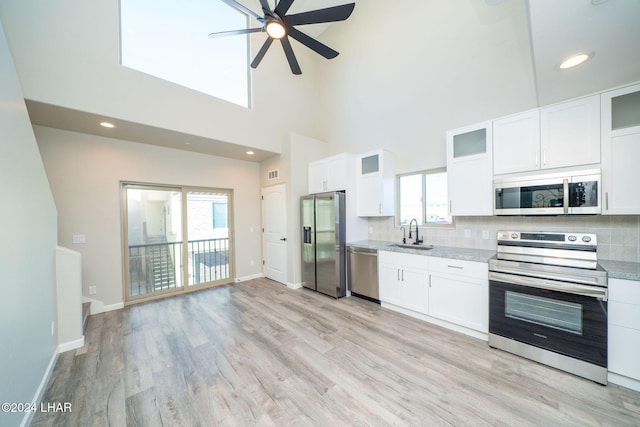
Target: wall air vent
pixel 273 174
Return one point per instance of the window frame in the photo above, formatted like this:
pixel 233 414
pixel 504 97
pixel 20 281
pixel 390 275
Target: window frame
pixel 423 197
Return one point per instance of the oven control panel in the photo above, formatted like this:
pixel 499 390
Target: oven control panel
pixel 585 239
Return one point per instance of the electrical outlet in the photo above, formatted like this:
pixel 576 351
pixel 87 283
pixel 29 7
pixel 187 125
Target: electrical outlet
pixel 78 239
pixel 92 290
pixel 467 233
pixel 252 263
pixel 485 234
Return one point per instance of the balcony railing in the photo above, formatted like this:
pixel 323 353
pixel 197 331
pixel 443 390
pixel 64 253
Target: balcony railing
pixel 152 267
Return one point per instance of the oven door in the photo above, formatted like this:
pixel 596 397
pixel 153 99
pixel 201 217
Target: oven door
pixel 570 319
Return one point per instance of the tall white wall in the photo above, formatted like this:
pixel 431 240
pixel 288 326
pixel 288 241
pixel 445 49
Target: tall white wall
pixel 28 218
pixel 411 70
pixel 85 172
pixel 67 54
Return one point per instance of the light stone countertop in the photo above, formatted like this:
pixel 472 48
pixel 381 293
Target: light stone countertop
pixel 621 269
pixel 465 254
pixel 615 269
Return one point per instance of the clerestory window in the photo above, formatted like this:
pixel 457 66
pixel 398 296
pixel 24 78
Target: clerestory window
pixel 169 40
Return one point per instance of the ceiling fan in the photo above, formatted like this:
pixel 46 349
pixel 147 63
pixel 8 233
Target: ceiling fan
pixel 278 25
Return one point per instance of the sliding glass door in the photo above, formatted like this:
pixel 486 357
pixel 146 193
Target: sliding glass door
pixel 169 228
pixel 208 230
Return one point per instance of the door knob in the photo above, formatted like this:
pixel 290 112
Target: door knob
pixel 284 239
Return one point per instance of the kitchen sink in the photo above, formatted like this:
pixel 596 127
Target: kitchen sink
pixel 413 246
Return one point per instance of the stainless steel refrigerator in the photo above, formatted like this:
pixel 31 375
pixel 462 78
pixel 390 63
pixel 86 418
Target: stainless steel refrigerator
pixel 323 243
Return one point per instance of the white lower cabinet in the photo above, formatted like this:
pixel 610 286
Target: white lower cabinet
pixel 404 280
pixel 459 293
pixel 624 333
pixel 448 292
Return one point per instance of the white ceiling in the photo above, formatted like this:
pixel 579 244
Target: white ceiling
pixel 608 29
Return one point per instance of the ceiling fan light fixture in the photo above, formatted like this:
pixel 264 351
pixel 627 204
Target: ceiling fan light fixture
pixel 276 30
pixel 574 60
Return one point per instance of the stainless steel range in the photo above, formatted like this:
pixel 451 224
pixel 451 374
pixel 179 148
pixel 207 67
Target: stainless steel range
pixel 548 301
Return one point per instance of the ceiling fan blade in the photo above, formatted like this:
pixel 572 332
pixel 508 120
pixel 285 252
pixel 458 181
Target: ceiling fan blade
pixel 291 57
pixel 330 14
pixel 241 8
pixel 283 7
pixel 312 44
pixel 265 6
pixel 262 52
pixel 235 32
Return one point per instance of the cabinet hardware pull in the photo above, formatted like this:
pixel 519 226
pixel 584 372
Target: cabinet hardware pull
pixel 606 200
pixel 379 208
pixel 450 207
pixel 429 280
pixel 403 275
pixel 398 271
pixel 456 266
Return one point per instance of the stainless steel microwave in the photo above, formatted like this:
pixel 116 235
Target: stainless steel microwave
pixel 550 194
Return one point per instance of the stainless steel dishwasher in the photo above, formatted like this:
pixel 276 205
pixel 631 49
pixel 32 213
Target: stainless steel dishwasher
pixel 363 273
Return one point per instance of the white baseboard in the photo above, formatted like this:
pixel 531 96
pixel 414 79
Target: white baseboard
pixel 294 285
pixel 458 328
pixel 250 277
pixel 37 398
pixel 71 345
pixel 98 307
pixel 627 382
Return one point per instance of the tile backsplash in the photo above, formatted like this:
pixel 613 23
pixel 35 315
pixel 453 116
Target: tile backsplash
pixel 618 236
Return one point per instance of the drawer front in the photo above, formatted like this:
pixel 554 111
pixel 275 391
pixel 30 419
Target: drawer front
pixel 627 291
pixel 623 314
pixel 409 260
pixel 479 270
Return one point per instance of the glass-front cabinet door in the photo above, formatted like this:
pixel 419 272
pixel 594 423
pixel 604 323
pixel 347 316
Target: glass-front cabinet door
pixel 375 182
pixel 470 170
pixel 620 113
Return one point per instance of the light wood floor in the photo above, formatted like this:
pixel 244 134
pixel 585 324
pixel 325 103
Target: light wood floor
pixel 257 353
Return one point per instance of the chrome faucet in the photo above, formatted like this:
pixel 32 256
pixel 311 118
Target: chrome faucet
pixel 418 241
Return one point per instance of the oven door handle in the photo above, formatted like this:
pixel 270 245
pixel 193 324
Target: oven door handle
pixel 565 191
pixel 534 282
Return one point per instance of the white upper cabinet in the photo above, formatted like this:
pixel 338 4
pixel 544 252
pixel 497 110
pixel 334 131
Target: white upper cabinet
pixel 570 133
pixel 621 151
pixel 330 173
pixel 469 170
pixel 375 182
pixel 516 143
pixel 561 135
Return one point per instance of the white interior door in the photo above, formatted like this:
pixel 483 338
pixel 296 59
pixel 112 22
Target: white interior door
pixel 274 237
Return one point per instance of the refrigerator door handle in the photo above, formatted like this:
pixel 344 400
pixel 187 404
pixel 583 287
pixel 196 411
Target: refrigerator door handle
pixel 307 234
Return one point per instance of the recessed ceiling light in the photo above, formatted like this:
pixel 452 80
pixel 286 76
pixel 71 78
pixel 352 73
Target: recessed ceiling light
pixel 574 60
pixel 107 125
pixel 251 153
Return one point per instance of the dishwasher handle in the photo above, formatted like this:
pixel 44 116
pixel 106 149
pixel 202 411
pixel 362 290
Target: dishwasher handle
pixel 367 252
